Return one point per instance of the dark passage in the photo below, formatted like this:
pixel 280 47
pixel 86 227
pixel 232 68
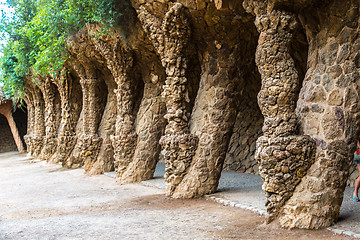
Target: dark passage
pixel 7 143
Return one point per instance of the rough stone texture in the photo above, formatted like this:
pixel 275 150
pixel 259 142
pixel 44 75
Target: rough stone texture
pixel 30 126
pixel 52 108
pixel 120 62
pixel 328 108
pixel 94 93
pixel 283 157
pixel 170 38
pixel 240 155
pixel 34 140
pixel 7 143
pixel 196 67
pixel 70 95
pixel 149 124
pixel 214 101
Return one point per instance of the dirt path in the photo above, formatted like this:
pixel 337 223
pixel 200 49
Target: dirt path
pixel 42 201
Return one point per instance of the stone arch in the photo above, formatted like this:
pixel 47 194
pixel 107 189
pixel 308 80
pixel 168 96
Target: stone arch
pixel 7 143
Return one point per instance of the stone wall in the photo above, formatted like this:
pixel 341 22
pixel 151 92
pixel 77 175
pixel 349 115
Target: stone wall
pixel 7 142
pixel 240 155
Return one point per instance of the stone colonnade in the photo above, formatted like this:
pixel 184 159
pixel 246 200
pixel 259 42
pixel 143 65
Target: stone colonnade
pixel 179 81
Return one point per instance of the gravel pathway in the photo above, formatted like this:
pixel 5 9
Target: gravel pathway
pixel 40 201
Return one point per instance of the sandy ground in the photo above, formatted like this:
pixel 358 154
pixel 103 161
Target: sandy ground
pixel 44 201
pixel 246 189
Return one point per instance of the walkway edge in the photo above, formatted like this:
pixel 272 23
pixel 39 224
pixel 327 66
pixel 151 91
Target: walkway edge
pixel 344 232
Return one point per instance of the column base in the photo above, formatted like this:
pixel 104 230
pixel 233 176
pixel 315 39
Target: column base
pixel 283 162
pixel 37 145
pixel 178 151
pixel 65 145
pixel 49 148
pixel 124 148
pixel 29 145
pixel 89 146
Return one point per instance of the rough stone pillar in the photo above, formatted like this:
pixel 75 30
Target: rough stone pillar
pixel 283 157
pixel 135 155
pixel 6 110
pixel 150 126
pixel 51 123
pixel 70 98
pixel 170 40
pixel 89 141
pixel 120 61
pixel 86 62
pixel 105 159
pixel 30 127
pixel 124 140
pixel 39 123
pixel 329 111
pixel 212 121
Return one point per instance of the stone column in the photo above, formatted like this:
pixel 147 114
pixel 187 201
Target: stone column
pixel 212 121
pixel 120 61
pixel 150 125
pixel 135 156
pixel 329 111
pixel 51 123
pixel 283 157
pixel 6 110
pixel 124 140
pixel 30 125
pixel 70 108
pixel 39 122
pixel 170 40
pixel 89 141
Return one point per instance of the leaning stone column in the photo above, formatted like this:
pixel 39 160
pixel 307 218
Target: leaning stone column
pixel 50 120
pixel 170 40
pixel 135 155
pixel 328 109
pixel 283 157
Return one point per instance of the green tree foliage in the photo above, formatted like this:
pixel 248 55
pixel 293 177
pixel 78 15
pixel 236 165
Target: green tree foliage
pixel 37 31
